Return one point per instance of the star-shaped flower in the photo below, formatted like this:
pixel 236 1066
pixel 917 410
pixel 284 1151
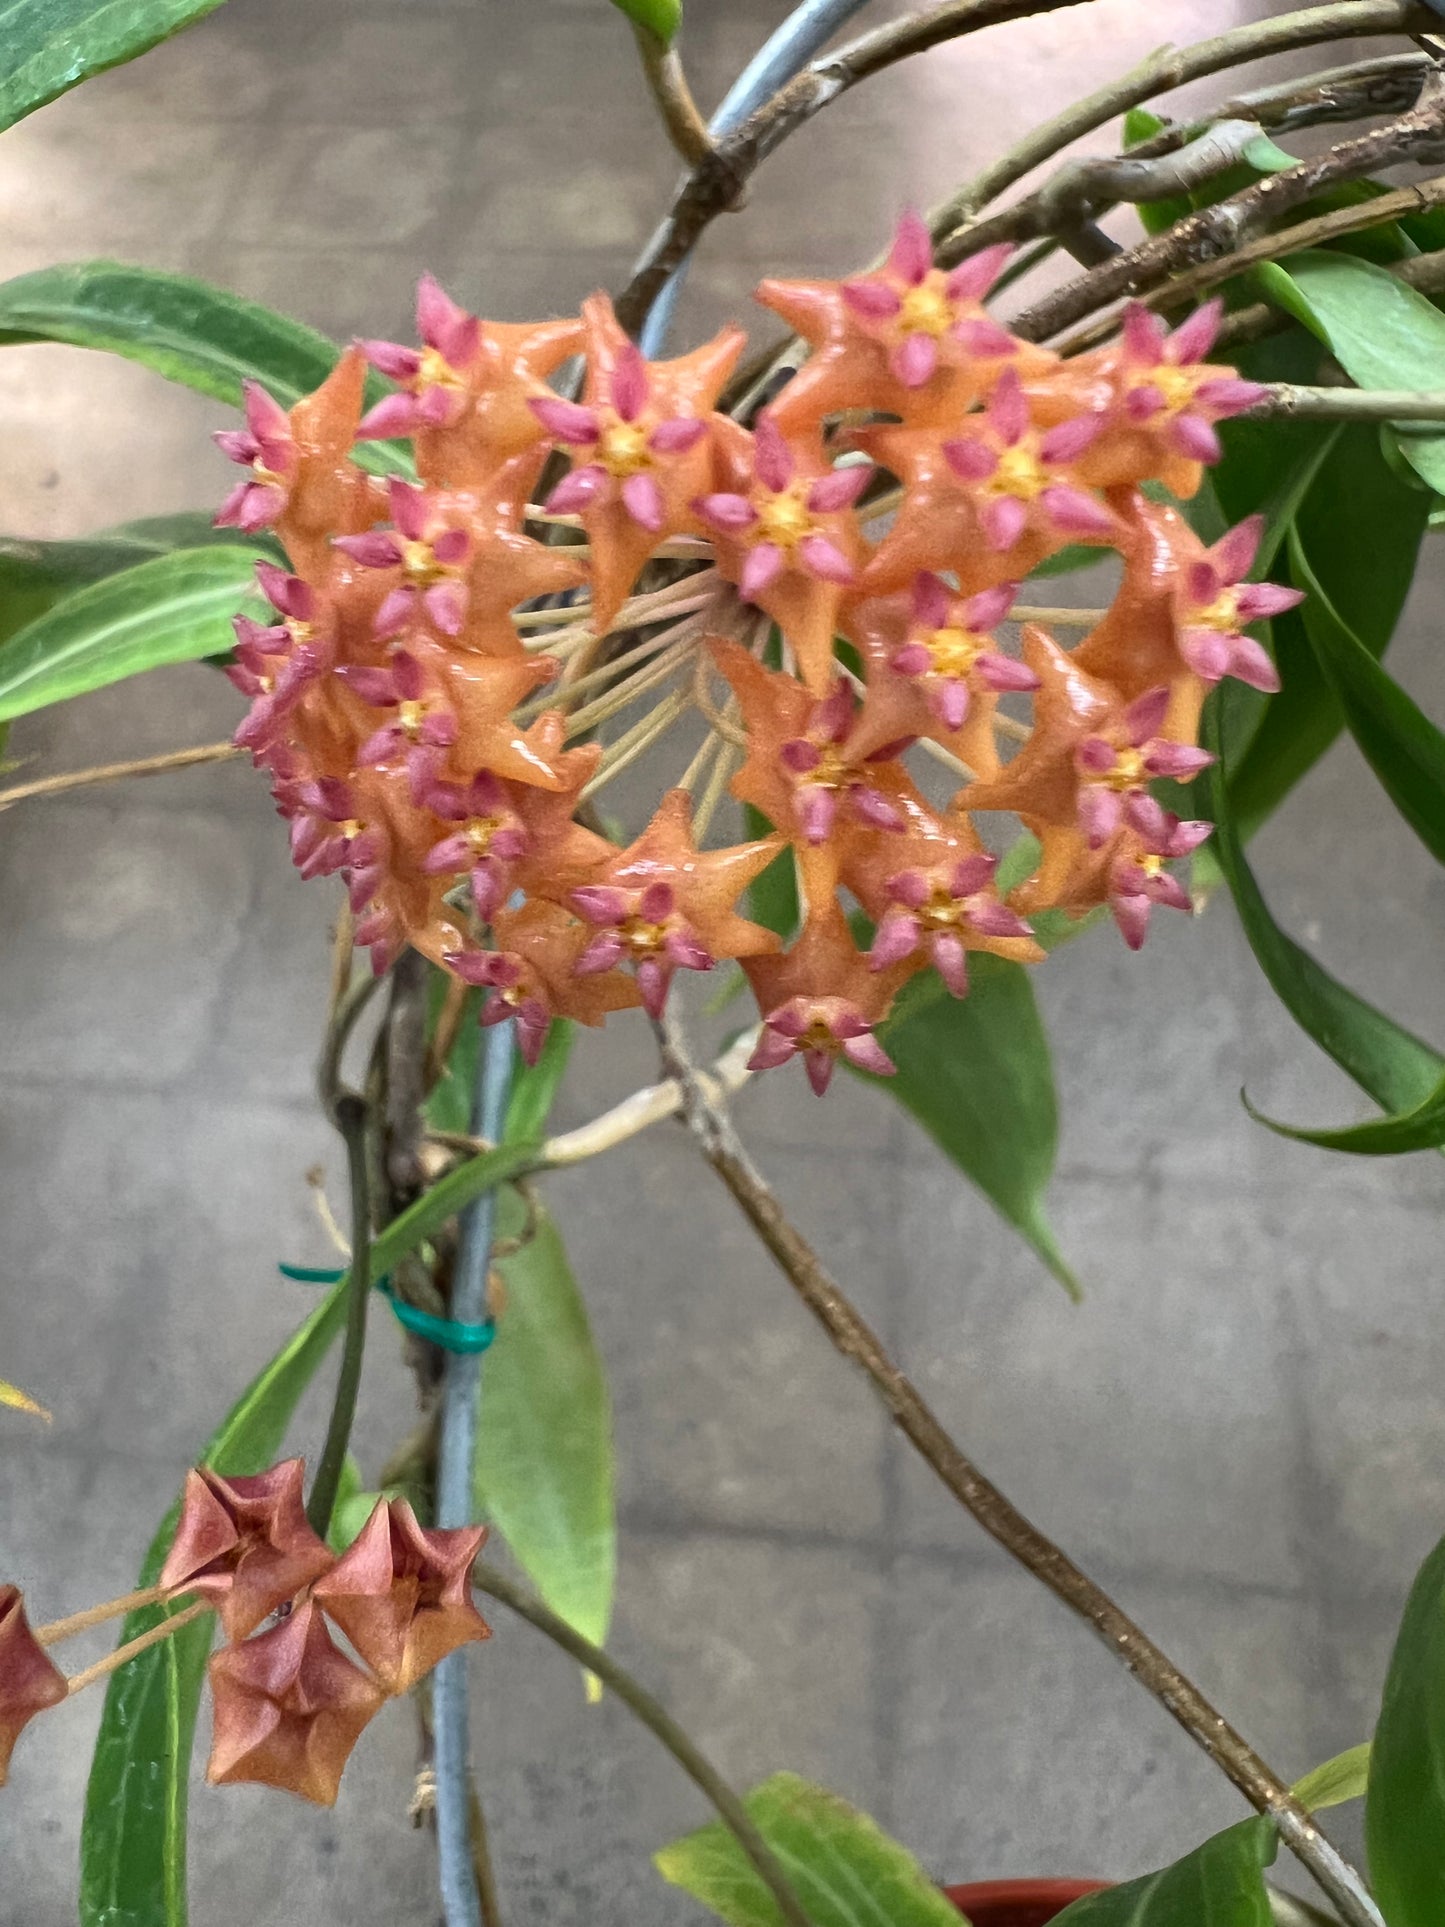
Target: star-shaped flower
pixel 1117 765
pixel 989 504
pixel 784 530
pixel 532 974
pixel 1166 400
pixel 29 1683
pixel 465 393
pixel 289 1708
pixel 821 1002
pixel 244 1544
pixel 907 339
pixel 662 905
pixel 402 1594
pixel 1214 605
pixel 640 444
pixel 938 652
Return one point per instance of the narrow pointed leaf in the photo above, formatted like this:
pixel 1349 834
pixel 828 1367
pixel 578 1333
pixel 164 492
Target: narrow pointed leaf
pixel 976 1073
pixel 1383 333
pixel 844 1869
pixel 1394 1067
pixel 544 1459
pixel 1340 1779
pixel 19 1401
pixel 1220 1884
pixel 35 575
pixel 174 608
pixel 49 46
pixel 1400 743
pixel 1361 527
pixel 187 330
pixel 133 1844
pixel 1405 1799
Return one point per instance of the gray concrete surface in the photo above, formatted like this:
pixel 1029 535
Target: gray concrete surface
pixel 1240 1429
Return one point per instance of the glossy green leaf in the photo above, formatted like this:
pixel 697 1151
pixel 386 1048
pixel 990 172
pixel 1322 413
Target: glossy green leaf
pixel 1340 1779
pixel 844 1869
pixel 50 46
pixel 133 1845
pixel 1400 743
pixel 1405 1798
pixel 175 608
pixel 1395 1068
pixel 534 1088
pixel 544 1460
pixel 1383 333
pixel 773 895
pixel 35 575
pixel 187 330
pixel 1361 528
pixel 1220 1884
pixel 976 1073
pixel 662 18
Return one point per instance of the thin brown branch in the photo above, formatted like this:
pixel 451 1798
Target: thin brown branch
pixel 1171 67
pixel 662 66
pixel 403 1123
pixel 854 1338
pixel 716 183
pixel 660 1723
pixel 1217 236
pixel 1352 404
pixel 113 772
pixel 1194 282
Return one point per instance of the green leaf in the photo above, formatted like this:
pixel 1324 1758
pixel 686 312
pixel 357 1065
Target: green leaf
pixel 662 18
pixel 1383 333
pixel 1361 528
pixel 845 1870
pixel 534 1089
pixel 544 1461
pixel 133 1845
pixel 186 330
pixel 35 575
pixel 1397 1069
pixel 975 1072
pixel 1340 1779
pixel 1405 1798
pixel 773 895
pixel 174 608
pixel 1220 1884
pixel 1400 743
pixel 50 46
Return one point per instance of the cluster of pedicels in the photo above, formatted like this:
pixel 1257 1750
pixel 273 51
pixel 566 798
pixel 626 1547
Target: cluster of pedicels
pixel 385 688
pixel 289 1702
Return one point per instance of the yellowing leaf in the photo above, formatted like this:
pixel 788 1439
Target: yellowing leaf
pixel 21 1401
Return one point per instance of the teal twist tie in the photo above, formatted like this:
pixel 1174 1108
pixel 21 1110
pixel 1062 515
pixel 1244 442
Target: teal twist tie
pixel 445 1333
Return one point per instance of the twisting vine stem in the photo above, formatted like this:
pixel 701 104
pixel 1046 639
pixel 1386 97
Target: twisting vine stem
pixel 1000 1518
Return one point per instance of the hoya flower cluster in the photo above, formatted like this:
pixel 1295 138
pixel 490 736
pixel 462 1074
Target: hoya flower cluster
pixel 289 1702
pixel 416 697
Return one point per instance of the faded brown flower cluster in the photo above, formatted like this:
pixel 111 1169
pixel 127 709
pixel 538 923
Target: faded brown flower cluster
pixel 289 1702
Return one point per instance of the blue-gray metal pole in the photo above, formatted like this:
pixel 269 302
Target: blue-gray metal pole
pixel 461 1402
pixel 805 32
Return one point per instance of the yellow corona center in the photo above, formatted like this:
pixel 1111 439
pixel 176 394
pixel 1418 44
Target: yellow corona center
pixel 623 450
pixel 436 371
pixel 817 1037
pixel 926 310
pixel 954 651
pixel 480 831
pixel 299 632
pixel 419 562
pixel 1018 473
pixel 642 937
pixel 784 519
pixel 1176 385
pixel 411 716
pixel 1150 864
pixel 1128 771
pixel 1221 614
pixel 267 476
